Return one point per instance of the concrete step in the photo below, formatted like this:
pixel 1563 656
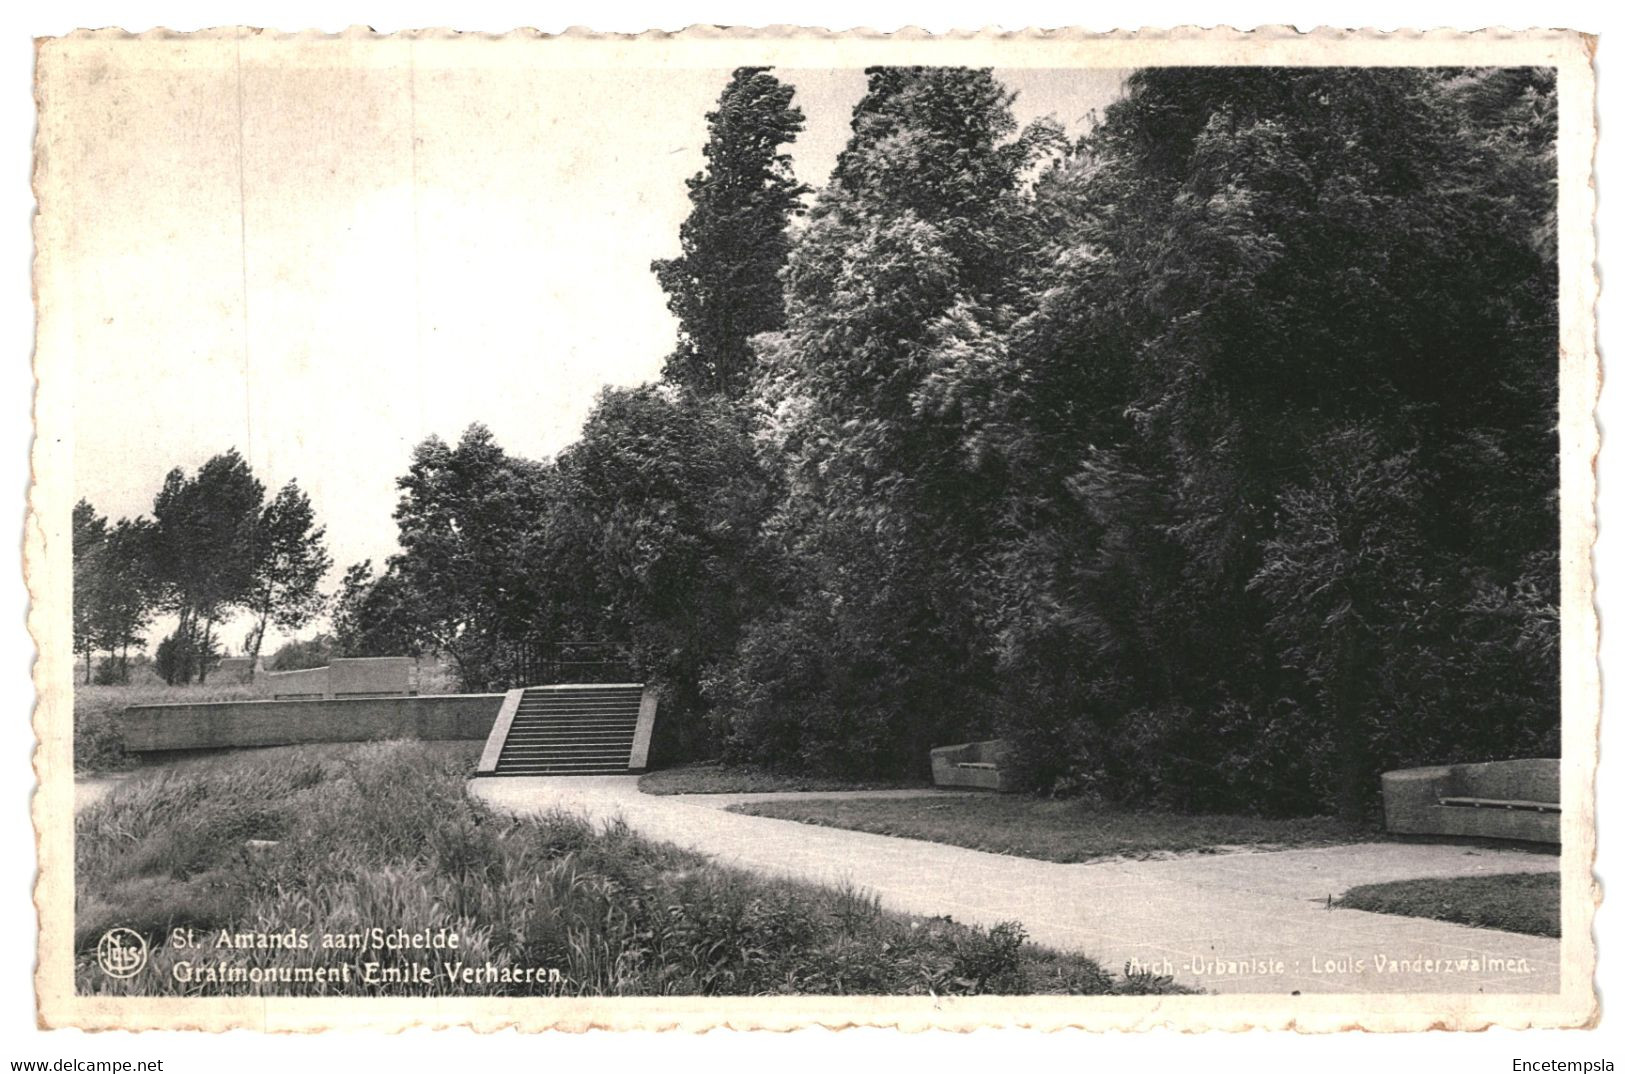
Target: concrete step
pixel 573 721
pixel 568 746
pixel 562 766
pixel 567 750
pixel 560 701
pixel 576 730
pixel 562 770
pixel 594 734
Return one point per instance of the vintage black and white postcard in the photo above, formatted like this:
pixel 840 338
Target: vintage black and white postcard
pixel 776 528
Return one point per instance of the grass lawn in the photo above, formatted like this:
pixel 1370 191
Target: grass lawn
pixel 710 777
pixel 1514 902
pixel 1063 831
pixel 268 847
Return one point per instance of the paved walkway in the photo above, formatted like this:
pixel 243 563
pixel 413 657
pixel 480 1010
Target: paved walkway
pixel 1249 922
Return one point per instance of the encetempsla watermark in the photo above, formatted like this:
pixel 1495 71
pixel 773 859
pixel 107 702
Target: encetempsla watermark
pixel 1550 1066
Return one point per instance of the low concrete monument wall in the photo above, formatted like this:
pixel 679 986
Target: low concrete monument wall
pixel 1495 800
pixel 306 682
pixel 351 676
pixel 232 724
pixel 372 676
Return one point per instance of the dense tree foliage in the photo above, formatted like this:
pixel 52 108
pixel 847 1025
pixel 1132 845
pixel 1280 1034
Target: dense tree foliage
pixel 906 272
pixel 203 555
pixel 299 654
pixel 213 547
pixel 643 538
pixel 89 535
pixel 653 541
pixel 112 589
pixel 1210 458
pixel 371 615
pixel 289 564
pixel 724 288
pixel 1285 438
pixel 469 519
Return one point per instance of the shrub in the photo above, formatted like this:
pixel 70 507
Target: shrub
pixel 98 745
pixel 316 652
pixel 112 671
pixel 803 696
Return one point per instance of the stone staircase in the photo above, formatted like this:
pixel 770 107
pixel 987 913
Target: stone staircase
pixel 572 730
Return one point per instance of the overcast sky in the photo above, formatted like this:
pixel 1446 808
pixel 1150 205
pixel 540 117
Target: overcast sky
pixel 259 259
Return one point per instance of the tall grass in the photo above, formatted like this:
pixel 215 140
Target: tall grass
pixel 338 841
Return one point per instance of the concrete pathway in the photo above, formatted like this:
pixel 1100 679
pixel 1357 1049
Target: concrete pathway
pixel 1246 922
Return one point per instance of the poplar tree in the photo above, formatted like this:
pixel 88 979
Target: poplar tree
pixel 290 560
pixel 724 287
pixel 204 553
pixel 907 271
pixel 89 546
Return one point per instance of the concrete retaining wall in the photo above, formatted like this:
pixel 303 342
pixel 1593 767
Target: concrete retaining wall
pixel 230 724
pixel 1410 800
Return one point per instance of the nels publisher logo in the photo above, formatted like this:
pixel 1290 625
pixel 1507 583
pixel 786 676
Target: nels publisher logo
pixel 121 952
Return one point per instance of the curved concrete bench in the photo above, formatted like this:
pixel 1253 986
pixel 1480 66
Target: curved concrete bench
pixel 1495 800
pixel 970 764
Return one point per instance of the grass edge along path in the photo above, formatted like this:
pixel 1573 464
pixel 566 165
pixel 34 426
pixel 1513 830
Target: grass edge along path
pixel 712 777
pixel 1058 830
pixel 1530 903
pixel 278 850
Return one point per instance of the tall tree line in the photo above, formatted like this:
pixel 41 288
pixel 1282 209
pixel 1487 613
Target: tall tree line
pixel 213 547
pixel 645 535
pixel 1287 431
pixel 1209 456
pixel 112 588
